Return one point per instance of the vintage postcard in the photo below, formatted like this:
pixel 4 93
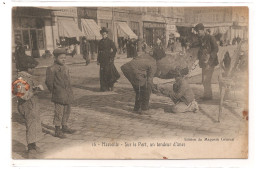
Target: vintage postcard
pixel 130 82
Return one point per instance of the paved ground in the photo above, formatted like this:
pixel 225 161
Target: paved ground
pixel 108 116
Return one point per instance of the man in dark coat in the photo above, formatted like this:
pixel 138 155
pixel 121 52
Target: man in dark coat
pixel 19 55
pixel 106 54
pixel 208 58
pixel 184 42
pixel 158 51
pixel 140 72
pixel 132 48
pixel 85 50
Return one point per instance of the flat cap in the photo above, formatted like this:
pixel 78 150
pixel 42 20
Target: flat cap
pixel 59 51
pixel 199 26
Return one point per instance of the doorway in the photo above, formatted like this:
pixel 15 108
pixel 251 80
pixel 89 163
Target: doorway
pixel 34 44
pixel 149 36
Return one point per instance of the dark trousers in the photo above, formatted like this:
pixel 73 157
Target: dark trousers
pixel 142 97
pixel 206 80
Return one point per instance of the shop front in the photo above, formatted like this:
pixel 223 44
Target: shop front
pixel 87 13
pixel 32 29
pixel 171 33
pixel 154 30
pixel 126 25
pixel 87 20
pixel 239 30
pixel 66 27
pixel 104 19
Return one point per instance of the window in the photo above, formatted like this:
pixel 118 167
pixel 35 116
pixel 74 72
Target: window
pixel 17 36
pixel 106 23
pixel 16 23
pixel 40 38
pixel 135 27
pixel 26 39
pixel 29 32
pixel 217 17
pixel 153 10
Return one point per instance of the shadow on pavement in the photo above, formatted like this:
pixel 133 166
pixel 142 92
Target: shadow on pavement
pixel 166 107
pixel 17 117
pixel 48 129
pixel 19 148
pixel 121 104
pixel 208 102
pixel 90 81
pixel 93 89
pixel 231 110
pixel 207 115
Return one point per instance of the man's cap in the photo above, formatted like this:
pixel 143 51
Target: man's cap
pixel 104 29
pixel 199 26
pixel 59 51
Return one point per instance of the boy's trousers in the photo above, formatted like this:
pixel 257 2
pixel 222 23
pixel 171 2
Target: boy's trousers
pixel 61 114
pixel 30 111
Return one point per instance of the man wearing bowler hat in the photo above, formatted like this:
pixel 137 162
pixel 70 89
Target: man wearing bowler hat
pixel 208 58
pixel 106 54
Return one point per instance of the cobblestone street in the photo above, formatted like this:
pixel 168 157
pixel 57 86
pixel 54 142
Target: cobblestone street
pixel 107 116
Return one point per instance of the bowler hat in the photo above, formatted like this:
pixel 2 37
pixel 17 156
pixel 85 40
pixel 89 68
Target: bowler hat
pixel 199 26
pixel 59 51
pixel 104 29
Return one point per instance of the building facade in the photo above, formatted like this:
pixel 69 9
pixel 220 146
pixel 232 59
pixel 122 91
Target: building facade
pixel 240 21
pixel 224 22
pixel 32 27
pixel 41 28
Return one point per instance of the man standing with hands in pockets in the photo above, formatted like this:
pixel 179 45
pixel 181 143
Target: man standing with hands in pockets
pixel 208 58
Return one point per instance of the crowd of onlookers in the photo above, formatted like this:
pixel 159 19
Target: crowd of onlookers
pixel 130 46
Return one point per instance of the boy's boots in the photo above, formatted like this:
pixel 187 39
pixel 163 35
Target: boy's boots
pixel 33 151
pixel 59 133
pixel 66 129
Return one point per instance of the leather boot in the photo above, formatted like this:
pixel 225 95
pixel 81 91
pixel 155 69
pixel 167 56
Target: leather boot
pixel 59 133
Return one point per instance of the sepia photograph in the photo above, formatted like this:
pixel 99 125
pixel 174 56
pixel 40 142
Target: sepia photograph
pixel 130 82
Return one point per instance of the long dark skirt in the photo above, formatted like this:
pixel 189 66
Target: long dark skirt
pixel 108 76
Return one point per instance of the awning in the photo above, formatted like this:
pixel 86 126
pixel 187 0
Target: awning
pixel 49 8
pixel 223 30
pixel 90 29
pixel 69 28
pixel 206 25
pixel 123 30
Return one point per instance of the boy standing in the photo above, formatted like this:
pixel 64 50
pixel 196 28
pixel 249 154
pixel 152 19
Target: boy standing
pixel 25 89
pixel 58 83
